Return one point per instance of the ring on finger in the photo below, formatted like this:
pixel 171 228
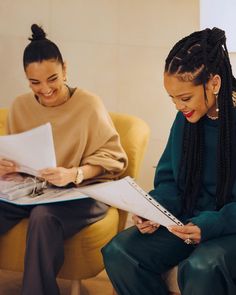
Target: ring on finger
pixel 189 241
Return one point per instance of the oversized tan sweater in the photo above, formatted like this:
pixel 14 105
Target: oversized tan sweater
pixel 83 131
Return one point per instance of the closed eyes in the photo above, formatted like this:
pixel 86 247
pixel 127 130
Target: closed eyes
pixel 51 79
pixel 186 99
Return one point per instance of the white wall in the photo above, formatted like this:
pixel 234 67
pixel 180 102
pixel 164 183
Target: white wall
pixel 114 48
pixel 222 16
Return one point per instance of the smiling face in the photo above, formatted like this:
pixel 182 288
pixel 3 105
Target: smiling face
pixel 46 79
pixel 189 98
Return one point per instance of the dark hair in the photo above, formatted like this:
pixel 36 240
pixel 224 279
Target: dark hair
pixel 40 48
pixel 196 58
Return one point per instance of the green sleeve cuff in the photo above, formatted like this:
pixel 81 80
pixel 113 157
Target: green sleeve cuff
pixel 211 224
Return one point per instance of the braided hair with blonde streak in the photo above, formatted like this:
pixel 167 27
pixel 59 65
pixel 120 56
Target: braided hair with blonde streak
pixel 197 58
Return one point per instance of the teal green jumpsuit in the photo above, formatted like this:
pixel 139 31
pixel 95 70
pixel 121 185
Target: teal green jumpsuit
pixel 135 262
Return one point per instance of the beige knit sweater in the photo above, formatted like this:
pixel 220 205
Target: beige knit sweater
pixel 83 131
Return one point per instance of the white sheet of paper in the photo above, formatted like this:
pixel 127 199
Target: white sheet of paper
pixel 32 150
pixel 126 194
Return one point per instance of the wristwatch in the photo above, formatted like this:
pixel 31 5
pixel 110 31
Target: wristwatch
pixel 79 176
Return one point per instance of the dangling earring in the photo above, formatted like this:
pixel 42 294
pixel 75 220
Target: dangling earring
pixel 216 97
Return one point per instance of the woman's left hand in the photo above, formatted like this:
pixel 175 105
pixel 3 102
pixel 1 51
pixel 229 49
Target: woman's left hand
pixel 58 176
pixel 188 231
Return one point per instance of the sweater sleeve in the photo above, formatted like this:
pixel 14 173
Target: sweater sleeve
pixel 165 190
pixel 110 156
pixel 216 223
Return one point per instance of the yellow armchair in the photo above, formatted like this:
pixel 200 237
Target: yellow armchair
pixel 83 258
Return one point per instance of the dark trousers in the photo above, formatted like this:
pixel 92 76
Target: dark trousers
pixel 49 226
pixel 135 263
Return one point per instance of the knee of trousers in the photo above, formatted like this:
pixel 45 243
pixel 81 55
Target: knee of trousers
pixel 199 270
pixel 42 220
pixel 116 257
pixel 111 253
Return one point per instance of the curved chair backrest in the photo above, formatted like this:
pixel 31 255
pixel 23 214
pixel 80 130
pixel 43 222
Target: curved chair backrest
pixel 134 134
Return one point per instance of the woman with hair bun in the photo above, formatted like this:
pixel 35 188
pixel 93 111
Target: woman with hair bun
pixel 195 180
pixel 87 149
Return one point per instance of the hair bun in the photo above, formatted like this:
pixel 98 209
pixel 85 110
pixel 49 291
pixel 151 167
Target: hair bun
pixel 37 33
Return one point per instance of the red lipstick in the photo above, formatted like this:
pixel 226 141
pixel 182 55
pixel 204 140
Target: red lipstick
pixel 188 114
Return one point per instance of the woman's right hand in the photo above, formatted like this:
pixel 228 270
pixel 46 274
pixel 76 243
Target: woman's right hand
pixel 145 226
pixel 7 166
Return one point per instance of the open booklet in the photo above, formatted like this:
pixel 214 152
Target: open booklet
pixel 124 194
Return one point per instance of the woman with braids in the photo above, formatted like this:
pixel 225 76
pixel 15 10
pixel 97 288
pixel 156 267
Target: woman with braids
pixel 87 150
pixel 195 180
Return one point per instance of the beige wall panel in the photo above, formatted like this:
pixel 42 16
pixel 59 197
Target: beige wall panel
pixel 94 67
pixel 17 16
pixel 87 20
